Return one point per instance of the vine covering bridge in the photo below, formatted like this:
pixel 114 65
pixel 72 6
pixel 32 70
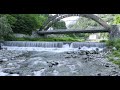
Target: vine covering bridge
pixel 113 30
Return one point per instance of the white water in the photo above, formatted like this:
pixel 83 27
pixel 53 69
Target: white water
pixel 51 46
pixel 40 49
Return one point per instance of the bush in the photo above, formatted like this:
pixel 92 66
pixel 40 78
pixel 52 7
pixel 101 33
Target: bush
pixel 103 41
pixel 117 62
pixel 115 53
pixel 110 43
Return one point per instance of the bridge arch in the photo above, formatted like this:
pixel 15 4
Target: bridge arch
pixel 58 17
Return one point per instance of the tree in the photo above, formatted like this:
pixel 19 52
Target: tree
pixel 5 29
pixel 25 23
pixel 59 25
pixel 11 20
pixel 117 19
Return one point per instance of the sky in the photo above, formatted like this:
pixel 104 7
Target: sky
pixel 69 20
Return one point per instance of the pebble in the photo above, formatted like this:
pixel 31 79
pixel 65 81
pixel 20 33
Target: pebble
pixel 5 59
pixel 10 64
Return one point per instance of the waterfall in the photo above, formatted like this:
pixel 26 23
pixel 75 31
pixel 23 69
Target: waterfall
pixel 87 44
pixel 34 44
pixel 53 44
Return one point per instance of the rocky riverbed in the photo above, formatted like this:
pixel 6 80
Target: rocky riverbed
pixel 71 63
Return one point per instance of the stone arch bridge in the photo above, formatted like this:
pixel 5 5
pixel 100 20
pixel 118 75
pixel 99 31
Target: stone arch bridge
pixel 113 30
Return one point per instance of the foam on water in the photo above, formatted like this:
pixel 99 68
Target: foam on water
pixel 40 49
pixel 51 46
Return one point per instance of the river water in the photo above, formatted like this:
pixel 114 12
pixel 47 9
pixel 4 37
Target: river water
pixel 52 46
pixel 55 59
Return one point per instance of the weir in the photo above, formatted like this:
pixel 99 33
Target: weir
pixel 53 44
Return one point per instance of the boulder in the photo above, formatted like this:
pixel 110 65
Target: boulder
pixel 68 52
pixel 3 74
pixel 97 51
pixel 92 52
pixel 3 60
pixel 68 56
pixel 114 48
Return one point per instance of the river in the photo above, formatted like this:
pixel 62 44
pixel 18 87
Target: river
pixel 65 61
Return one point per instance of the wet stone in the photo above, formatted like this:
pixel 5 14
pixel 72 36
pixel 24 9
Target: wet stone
pixel 68 52
pixel 5 59
pixel 67 56
pixel 99 74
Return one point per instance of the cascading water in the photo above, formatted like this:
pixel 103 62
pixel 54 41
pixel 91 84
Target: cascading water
pixel 87 44
pixel 34 44
pixel 51 46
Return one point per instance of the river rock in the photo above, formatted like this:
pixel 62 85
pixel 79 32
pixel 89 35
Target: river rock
pixel 82 52
pixel 38 73
pixel 97 51
pixel 114 72
pixel 12 71
pixel 116 58
pixel 5 59
pixel 12 58
pixel 14 75
pixel 51 64
pixel 114 48
pixel 84 57
pixel 99 74
pixel 67 56
pixel 92 52
pixel 3 74
pixel 106 65
pixel 68 52
pixel 10 64
pixel 74 56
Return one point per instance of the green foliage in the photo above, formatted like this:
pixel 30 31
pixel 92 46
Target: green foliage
pixel 114 53
pixel 11 20
pixel 5 29
pixel 25 23
pixel 114 43
pixel 85 23
pixel 59 25
pixel 103 40
pixel 48 39
pixel 110 43
pixel 117 62
pixel 117 19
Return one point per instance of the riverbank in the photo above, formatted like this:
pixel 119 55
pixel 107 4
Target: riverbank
pixel 45 63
